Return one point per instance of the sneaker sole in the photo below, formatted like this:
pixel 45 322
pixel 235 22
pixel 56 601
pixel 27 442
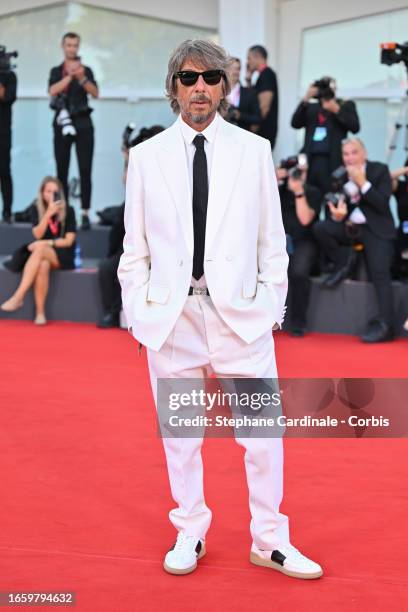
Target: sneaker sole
pixel 256 560
pixel 188 570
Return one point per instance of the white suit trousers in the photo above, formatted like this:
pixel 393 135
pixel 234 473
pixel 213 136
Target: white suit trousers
pixel 201 343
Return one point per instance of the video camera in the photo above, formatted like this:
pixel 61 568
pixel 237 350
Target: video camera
pixel 393 53
pixel 325 88
pixel 5 60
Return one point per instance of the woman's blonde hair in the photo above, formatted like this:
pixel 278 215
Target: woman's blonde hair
pixel 41 204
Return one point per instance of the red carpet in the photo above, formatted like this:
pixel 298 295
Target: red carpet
pixel 85 492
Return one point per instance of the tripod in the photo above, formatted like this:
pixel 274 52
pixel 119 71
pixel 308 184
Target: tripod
pixel 402 122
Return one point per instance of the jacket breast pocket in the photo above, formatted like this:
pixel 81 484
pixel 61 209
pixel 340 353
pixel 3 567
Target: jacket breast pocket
pixel 249 287
pixel 158 294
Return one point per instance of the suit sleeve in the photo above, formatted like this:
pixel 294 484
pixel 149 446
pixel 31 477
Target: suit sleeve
pixel 378 196
pixel 299 117
pixel 133 269
pixel 272 256
pixel 348 117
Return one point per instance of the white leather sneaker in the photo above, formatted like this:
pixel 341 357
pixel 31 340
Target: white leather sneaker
pixel 288 560
pixel 182 558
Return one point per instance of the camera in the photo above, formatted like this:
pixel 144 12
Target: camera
pixel 338 180
pixel 129 135
pixel 63 118
pixel 5 60
pixel 325 88
pixel 334 197
pixel 295 164
pixel 393 53
pixel 132 136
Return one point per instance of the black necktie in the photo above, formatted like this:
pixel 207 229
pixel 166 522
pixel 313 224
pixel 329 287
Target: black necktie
pixel 200 200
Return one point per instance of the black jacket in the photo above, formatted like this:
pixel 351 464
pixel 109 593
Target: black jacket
pixel 346 120
pixel 248 108
pixel 117 233
pixel 375 203
pixel 9 81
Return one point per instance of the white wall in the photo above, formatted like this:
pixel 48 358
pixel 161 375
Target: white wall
pixel 203 14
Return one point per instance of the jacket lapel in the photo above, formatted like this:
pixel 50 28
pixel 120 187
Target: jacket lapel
pixel 227 158
pixel 173 165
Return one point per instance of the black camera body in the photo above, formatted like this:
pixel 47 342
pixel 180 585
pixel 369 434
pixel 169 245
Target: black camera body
pixel 61 102
pixel 294 165
pixel 5 60
pixel 393 53
pixel 325 89
pixel 339 178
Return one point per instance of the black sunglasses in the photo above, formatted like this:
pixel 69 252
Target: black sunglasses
pixel 190 77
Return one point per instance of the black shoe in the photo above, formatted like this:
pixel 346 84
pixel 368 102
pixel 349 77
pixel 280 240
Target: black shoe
pixel 7 218
pixel 378 332
pixel 334 279
pixel 85 223
pixel 297 332
pixel 108 321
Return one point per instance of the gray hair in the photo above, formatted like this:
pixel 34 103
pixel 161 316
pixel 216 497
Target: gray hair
pixel 352 139
pixel 204 53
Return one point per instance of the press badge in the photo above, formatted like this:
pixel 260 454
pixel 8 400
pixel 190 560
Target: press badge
pixel 320 134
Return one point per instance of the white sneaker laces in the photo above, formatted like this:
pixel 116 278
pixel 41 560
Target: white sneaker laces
pixel 185 543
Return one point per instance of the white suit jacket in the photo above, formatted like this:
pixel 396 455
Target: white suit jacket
pixel 245 261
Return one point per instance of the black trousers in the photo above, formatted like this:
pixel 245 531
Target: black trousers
pixel 6 182
pixel 109 284
pixel 300 266
pixel 319 173
pixel 84 145
pixel 378 253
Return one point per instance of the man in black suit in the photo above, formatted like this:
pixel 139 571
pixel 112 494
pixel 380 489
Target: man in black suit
pixel 266 88
pixel 327 121
pixel 364 215
pixel 244 110
pixel 8 92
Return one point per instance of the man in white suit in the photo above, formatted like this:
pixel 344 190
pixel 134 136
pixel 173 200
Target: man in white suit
pixel 204 281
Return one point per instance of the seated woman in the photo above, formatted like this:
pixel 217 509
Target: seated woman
pixel 54 230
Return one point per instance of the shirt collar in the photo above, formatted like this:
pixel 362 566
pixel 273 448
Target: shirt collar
pixel 189 133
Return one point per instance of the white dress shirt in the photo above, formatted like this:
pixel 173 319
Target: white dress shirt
pixel 234 96
pixel 189 134
pixel 357 216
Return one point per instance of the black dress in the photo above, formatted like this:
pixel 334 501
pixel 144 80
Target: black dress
pixel 66 255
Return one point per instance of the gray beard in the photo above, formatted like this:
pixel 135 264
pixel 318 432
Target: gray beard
pixel 199 118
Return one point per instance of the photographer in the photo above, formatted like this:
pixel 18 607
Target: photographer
pixel 400 190
pixel 108 267
pixel 362 214
pixel 327 121
pixel 8 90
pixel 244 108
pixel 300 204
pixel 69 86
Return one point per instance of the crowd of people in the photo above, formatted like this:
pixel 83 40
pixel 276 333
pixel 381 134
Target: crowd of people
pixel 335 201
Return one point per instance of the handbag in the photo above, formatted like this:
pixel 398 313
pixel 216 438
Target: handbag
pixel 18 259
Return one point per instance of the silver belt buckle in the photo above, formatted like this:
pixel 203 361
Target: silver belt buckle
pixel 199 290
